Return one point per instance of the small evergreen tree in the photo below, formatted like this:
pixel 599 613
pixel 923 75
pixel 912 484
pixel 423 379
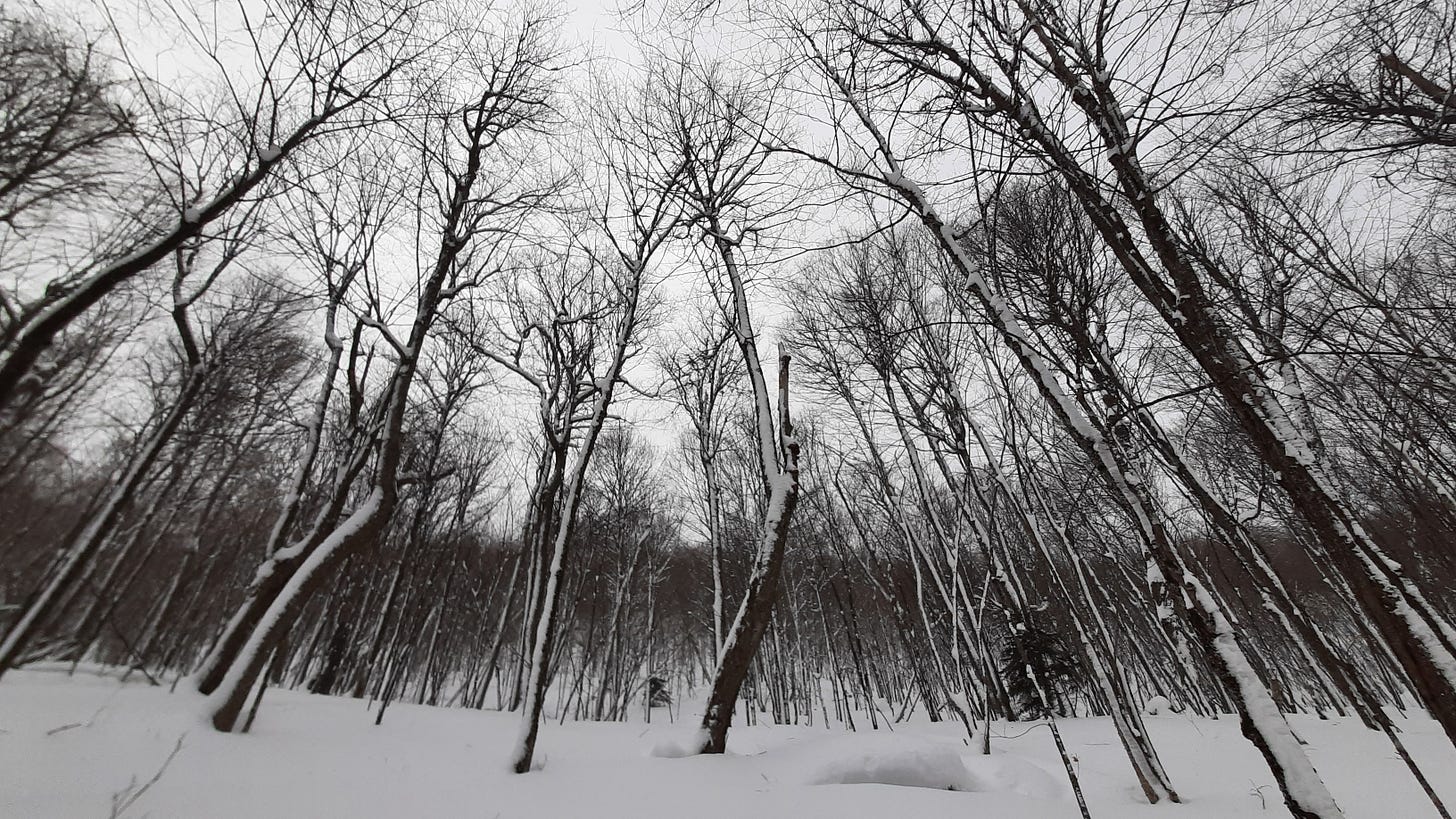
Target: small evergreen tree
pixel 1038 650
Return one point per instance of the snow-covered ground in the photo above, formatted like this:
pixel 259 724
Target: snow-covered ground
pixel 79 746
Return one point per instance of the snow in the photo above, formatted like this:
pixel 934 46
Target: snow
pixel 1014 774
pixel 1154 574
pixel 868 759
pixel 69 744
pixel 917 761
pixel 667 747
pixel 1157 705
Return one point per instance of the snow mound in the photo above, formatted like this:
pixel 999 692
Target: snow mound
pixel 1157 705
pixel 1004 772
pixel 914 762
pixel 666 747
pixel 880 760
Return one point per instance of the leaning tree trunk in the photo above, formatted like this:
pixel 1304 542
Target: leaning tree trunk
pixel 1421 637
pixel 778 457
pixel 1305 794
pixel 273 576
pixel 357 530
pixel 741 643
pixel 1096 642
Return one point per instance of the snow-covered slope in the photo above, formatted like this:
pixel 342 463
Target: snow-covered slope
pixel 78 746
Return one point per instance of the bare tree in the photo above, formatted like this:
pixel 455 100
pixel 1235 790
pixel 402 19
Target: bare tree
pixel 321 68
pixel 473 210
pixel 699 379
pixel 636 219
pixel 909 39
pixel 198 268
pixel 723 166
pixel 63 128
pixel 337 238
pixel 1384 86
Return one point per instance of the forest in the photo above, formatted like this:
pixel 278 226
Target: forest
pixel 825 363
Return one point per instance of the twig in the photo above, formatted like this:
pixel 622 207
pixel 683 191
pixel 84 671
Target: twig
pixel 68 726
pixel 126 797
